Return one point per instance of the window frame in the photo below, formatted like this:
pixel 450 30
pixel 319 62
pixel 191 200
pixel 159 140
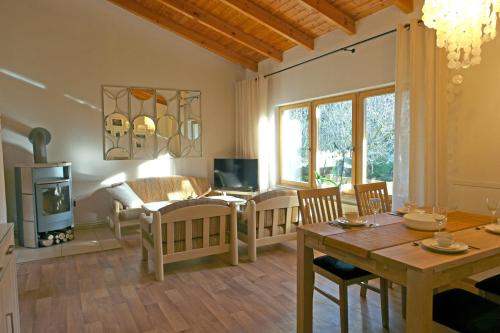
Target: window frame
pixel 362 95
pixel 282 109
pixel 330 100
pixel 358 132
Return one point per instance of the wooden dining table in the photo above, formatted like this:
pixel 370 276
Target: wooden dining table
pixel 392 251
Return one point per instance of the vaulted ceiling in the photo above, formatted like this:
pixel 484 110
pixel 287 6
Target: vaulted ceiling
pixel 249 31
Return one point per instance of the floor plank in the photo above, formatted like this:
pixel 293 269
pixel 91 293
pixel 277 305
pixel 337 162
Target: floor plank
pixel 114 291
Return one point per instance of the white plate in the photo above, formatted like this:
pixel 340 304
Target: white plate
pixel 359 222
pixel 422 221
pixel 494 228
pixel 404 210
pixel 456 247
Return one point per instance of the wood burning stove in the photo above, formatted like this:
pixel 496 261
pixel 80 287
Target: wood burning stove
pixel 44 200
pixel 53 204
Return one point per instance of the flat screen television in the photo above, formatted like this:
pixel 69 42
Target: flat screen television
pixel 236 174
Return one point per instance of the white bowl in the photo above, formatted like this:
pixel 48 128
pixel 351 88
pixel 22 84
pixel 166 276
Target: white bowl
pixel 422 221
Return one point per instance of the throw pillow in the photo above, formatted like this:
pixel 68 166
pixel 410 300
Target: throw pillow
pixel 123 193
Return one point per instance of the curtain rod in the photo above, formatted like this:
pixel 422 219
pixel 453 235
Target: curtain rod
pixel 348 48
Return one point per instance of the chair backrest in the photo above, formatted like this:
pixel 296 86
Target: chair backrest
pixel 273 209
pixel 322 204
pixel 197 223
pixel 364 192
pixel 194 209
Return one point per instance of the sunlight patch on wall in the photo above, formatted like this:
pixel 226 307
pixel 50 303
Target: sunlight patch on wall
pixel 81 101
pixel 17 140
pixel 155 168
pixel 118 178
pixel 22 78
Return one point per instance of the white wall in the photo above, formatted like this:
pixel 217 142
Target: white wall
pixel 75 46
pixel 475 142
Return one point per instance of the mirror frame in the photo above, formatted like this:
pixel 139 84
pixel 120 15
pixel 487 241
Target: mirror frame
pixel 180 113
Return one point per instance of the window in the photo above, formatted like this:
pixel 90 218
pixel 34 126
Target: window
pixel 319 140
pixel 334 142
pixel 378 138
pixel 295 144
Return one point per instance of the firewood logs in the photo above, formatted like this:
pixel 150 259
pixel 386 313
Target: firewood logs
pixel 55 237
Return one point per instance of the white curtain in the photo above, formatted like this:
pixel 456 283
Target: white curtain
pixel 254 134
pixel 420 166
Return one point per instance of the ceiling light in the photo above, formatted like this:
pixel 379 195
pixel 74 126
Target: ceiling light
pixel 462 26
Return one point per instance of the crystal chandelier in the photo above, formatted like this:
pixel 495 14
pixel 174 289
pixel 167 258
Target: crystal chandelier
pixel 462 26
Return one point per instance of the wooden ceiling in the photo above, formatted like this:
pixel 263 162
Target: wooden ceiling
pixel 249 31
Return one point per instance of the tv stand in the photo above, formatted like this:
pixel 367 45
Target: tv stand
pixel 240 194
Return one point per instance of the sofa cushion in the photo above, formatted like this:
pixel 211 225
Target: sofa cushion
pixel 124 194
pixel 169 188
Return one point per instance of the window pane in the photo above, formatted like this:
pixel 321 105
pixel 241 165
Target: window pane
pixel 295 144
pixel 378 157
pixel 334 144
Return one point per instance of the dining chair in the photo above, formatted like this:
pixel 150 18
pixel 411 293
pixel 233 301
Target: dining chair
pixel 490 288
pixel 463 311
pixel 323 205
pixel 365 192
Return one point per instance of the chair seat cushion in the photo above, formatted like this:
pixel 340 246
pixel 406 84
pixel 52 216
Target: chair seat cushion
pixel 343 270
pixel 466 312
pixel 486 323
pixel 490 285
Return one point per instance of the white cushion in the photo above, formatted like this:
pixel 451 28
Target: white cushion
pixel 123 193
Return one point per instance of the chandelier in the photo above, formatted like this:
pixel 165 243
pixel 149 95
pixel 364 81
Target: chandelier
pixel 462 26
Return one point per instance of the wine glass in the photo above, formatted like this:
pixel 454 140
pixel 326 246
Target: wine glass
pixel 492 205
pixel 410 205
pixel 375 206
pixel 440 214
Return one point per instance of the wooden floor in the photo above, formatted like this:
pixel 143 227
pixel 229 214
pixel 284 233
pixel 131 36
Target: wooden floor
pixel 113 291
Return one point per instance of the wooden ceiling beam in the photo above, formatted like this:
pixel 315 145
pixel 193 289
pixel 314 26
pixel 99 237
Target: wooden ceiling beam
pixel 215 23
pixel 405 5
pixel 333 14
pixel 169 24
pixel 271 21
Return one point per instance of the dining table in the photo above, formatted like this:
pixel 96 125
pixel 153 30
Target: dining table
pixel 391 250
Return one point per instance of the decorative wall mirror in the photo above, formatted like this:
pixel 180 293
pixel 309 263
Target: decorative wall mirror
pixel 148 123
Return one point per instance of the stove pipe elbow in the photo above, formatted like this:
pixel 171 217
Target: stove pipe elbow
pixel 40 137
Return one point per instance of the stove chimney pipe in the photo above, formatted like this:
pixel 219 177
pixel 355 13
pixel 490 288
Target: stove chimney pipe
pixel 40 137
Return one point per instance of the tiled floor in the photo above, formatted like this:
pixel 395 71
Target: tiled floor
pixel 86 240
